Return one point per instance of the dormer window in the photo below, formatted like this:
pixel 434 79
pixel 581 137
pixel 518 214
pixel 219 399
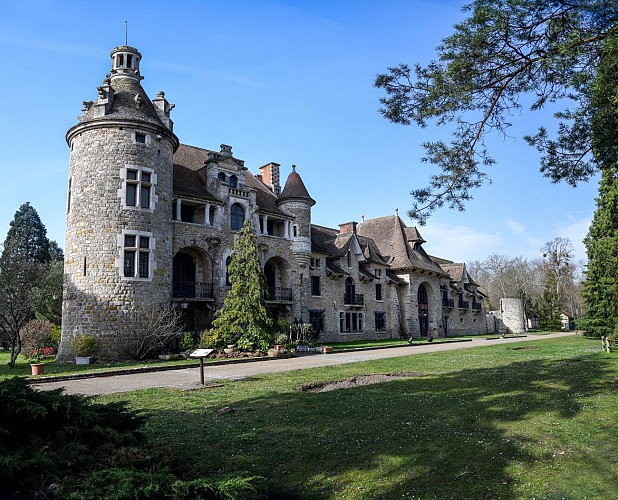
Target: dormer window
pixel 233 181
pixel 222 177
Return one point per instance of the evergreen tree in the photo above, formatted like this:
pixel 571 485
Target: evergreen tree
pixel 549 304
pixel 26 285
pixel 601 285
pixel 244 317
pixel 27 237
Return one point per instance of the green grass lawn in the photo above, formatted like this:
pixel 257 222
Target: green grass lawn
pixel 526 420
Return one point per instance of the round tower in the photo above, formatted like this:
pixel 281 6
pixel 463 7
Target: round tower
pixel 118 249
pixel 296 201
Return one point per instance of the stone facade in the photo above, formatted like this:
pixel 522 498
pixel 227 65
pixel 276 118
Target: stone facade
pixel 152 222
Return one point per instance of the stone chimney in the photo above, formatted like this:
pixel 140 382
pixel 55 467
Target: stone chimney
pixel 270 177
pixel 348 227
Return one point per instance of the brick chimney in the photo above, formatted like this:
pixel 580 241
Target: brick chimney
pixel 270 177
pixel 348 227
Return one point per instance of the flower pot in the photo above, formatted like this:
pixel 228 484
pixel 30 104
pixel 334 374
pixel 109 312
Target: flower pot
pixel 326 349
pixel 83 360
pixel 37 368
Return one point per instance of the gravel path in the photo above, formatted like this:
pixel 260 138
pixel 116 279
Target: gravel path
pixel 189 378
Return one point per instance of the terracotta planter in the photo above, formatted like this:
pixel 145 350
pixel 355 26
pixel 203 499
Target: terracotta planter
pixel 37 368
pixel 326 349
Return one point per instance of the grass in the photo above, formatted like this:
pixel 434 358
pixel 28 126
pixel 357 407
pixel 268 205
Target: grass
pixel 492 422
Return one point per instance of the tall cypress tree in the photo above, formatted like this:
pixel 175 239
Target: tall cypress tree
pixel 600 289
pixel 244 314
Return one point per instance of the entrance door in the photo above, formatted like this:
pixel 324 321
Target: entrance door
pixel 423 311
pixel 270 276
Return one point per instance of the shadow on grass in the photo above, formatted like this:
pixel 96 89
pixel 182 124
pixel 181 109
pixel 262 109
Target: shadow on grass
pixel 437 436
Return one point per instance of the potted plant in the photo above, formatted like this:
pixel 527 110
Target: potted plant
pixel 84 346
pixel 36 340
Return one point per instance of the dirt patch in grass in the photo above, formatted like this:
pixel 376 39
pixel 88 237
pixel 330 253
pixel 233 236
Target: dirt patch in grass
pixel 525 348
pixel 376 378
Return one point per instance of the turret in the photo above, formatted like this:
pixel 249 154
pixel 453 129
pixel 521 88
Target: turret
pixel 118 229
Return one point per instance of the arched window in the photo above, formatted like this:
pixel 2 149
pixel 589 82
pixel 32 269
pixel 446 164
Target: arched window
pixel 233 181
pixel 222 176
pixel 237 216
pixel 227 272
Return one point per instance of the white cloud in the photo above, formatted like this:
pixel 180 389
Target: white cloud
pixel 459 243
pixel 515 226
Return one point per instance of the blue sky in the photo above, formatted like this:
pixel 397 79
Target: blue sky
pixel 278 80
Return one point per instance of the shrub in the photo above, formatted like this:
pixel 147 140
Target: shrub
pixel 36 339
pixel 213 339
pixel 84 345
pixel 255 339
pixel 55 445
pixel 189 341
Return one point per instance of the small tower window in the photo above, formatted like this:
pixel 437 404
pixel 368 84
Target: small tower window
pixel 233 181
pixel 140 138
pixel 129 61
pixel 121 60
pixel 222 177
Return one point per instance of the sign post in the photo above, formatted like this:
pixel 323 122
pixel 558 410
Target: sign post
pixel 201 354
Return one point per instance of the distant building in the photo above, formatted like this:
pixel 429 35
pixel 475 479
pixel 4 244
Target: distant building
pixel 151 222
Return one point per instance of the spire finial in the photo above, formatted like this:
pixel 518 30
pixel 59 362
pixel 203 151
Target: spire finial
pixel 126 32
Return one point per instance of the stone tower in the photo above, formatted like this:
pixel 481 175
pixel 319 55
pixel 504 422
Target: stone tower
pixel 119 227
pixel 295 200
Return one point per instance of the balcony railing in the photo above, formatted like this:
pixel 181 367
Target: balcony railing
pixel 353 299
pixel 192 290
pixel 448 303
pixel 463 304
pixel 278 294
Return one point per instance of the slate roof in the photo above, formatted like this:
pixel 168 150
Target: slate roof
pixel 295 188
pixel 188 160
pixel 124 106
pixel 391 237
pixel 329 241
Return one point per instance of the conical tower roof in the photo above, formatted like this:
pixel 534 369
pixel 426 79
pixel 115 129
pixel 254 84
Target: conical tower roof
pixel 295 189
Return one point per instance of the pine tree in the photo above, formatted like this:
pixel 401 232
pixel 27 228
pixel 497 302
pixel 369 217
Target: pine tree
pixel 601 286
pixel 27 237
pixel 549 304
pixel 26 286
pixel 243 317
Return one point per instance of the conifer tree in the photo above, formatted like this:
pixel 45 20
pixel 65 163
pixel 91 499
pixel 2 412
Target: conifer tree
pixel 549 304
pixel 25 284
pixel 243 316
pixel 601 286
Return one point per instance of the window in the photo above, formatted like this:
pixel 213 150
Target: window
pixel 380 321
pixel 136 255
pixel 140 138
pixel 233 181
pixel 315 286
pixel 378 291
pixel 222 177
pixel 351 322
pixel 69 197
pixel 315 263
pixel 349 255
pixel 227 270
pixel 138 189
pixel 237 216
pixel 378 273
pixel 295 231
pixel 316 318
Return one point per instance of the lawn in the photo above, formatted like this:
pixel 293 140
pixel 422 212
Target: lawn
pixel 527 420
